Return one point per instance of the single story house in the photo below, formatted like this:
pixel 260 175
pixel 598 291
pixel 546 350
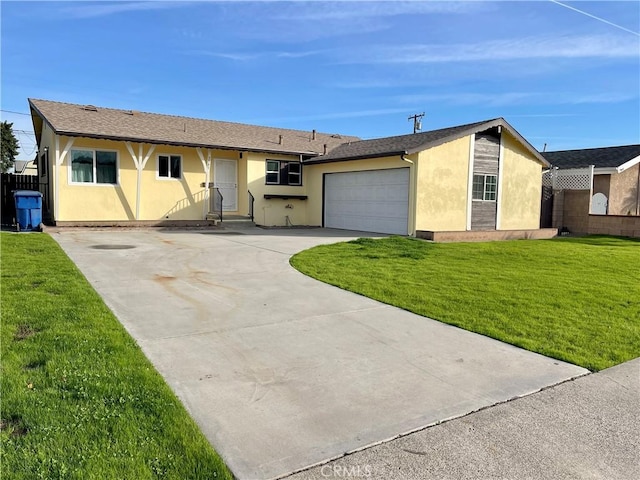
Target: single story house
pixel 616 176
pixel 107 166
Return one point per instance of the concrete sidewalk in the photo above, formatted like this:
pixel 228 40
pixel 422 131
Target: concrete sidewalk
pixel 281 371
pixel 586 428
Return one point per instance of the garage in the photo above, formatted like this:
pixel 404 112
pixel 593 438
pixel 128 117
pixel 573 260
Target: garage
pixel 370 201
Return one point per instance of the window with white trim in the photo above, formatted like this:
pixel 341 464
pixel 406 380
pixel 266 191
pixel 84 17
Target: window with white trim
pixel 94 166
pixel 280 172
pixel 273 172
pixel 485 187
pixel 169 166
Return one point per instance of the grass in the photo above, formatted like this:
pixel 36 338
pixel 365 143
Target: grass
pixel 574 299
pixel 79 398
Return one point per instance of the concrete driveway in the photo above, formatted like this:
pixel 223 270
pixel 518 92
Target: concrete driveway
pixel 281 371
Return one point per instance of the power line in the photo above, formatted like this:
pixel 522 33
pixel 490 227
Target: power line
pixel 17 113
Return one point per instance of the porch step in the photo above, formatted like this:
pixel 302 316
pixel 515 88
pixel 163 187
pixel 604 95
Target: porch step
pixel 232 221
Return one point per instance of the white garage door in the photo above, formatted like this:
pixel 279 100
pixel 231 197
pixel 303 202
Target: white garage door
pixel 370 201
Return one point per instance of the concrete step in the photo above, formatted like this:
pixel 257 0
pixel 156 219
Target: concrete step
pixel 232 221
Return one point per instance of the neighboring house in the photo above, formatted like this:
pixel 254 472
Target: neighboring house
pixel 25 167
pixel 616 176
pixel 110 166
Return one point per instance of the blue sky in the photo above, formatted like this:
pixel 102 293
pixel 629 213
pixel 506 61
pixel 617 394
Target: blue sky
pixel 562 73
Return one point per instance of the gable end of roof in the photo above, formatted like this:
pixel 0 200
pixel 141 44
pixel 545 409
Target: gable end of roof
pixel 417 142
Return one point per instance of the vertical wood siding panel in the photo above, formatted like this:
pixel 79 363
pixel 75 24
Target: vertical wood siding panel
pixel 486 154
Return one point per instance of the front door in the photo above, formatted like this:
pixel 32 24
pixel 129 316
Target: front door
pixel 225 178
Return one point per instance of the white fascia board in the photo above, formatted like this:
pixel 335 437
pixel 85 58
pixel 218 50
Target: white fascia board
pixel 605 171
pixel 628 164
pixel 619 169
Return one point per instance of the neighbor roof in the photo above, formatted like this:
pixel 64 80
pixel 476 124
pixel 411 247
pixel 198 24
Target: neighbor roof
pixel 606 157
pixel 19 166
pixel 113 124
pixel 416 142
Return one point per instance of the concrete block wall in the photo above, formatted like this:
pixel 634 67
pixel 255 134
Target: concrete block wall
pixel 575 208
pixel 558 209
pixel 623 225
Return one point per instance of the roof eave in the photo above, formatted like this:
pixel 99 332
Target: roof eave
pixel 243 148
pixel 38 131
pixel 317 160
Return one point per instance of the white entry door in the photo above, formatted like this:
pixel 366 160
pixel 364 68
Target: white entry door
pixel 370 201
pixel 225 178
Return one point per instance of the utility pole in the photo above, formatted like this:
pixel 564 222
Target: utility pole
pixel 417 121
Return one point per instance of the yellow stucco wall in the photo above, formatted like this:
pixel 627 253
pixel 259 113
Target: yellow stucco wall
pixel 315 179
pixel 160 198
pixel 437 199
pixel 442 184
pixel 521 178
pixel 272 212
pixel 171 199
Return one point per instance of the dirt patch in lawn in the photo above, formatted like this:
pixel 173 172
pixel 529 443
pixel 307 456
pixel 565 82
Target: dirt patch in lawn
pixel 14 425
pixel 24 331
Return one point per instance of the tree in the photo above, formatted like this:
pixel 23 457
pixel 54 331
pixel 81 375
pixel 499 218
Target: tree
pixel 9 147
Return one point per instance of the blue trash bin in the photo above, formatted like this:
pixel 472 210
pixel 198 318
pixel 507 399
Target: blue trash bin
pixel 28 209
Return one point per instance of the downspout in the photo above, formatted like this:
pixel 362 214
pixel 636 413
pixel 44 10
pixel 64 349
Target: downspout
pixel 500 180
pixel 412 202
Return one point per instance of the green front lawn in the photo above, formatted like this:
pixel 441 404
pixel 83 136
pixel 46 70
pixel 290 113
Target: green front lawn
pixel 79 398
pixel 575 299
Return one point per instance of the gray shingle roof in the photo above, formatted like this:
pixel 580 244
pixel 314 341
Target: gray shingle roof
pixel 416 142
pixel 606 157
pixel 78 120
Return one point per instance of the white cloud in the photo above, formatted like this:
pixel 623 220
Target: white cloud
pixel 462 98
pixel 243 57
pixel 348 10
pixel 239 57
pixel 337 115
pixel 608 97
pixel 584 46
pixel 302 54
pixel 507 99
pixel 293 21
pixel 104 9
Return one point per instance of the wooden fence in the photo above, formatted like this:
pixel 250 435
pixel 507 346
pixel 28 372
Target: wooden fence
pixel 10 182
